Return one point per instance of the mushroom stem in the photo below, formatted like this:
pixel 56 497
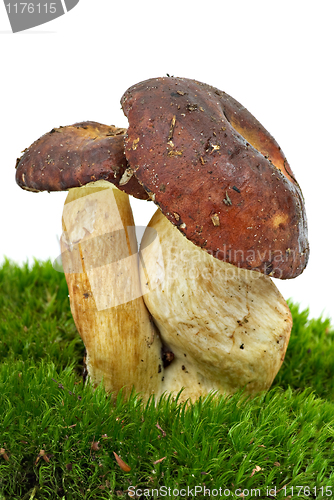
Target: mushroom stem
pixel 100 260
pixel 227 327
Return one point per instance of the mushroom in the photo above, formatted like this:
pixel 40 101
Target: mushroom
pixel 217 174
pixel 227 200
pixel 228 327
pixel 99 251
pixel 75 155
pixel 222 181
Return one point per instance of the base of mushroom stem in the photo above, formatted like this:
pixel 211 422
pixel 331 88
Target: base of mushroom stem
pixel 174 381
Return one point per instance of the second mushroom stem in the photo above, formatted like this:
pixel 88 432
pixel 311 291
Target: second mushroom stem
pixel 228 328
pixel 100 260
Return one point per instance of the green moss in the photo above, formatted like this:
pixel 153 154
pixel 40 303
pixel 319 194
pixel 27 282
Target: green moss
pixel 309 361
pixel 282 438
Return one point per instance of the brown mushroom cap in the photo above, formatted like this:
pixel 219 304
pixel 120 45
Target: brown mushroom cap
pixel 217 174
pixel 75 155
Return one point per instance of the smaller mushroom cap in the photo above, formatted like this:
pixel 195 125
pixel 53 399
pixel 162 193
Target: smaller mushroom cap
pixel 75 155
pixel 217 174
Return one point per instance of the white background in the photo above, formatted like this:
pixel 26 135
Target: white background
pixel 275 57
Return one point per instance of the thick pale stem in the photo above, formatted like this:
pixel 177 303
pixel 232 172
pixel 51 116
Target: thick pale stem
pixel 100 260
pixel 227 327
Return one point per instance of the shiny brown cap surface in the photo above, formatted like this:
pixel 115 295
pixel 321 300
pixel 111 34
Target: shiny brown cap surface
pixel 75 155
pixel 217 174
